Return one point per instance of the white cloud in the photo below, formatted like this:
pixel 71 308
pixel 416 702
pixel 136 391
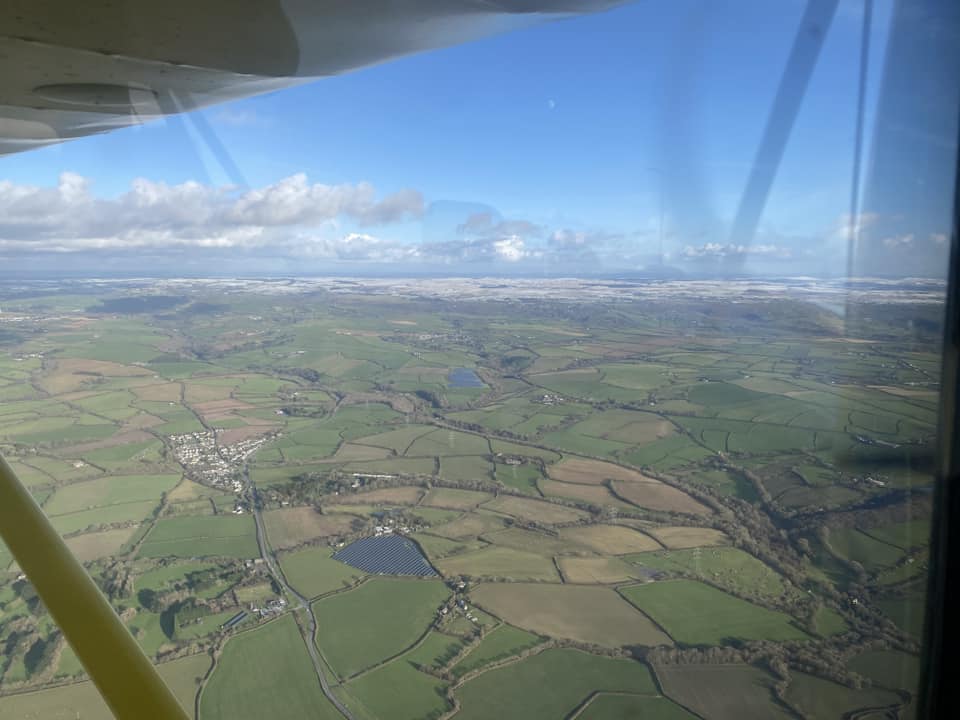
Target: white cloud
pixel 157 215
pixel 939 238
pixel 718 251
pixel 511 249
pixel 848 225
pixel 898 241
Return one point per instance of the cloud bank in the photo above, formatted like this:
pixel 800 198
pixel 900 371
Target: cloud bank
pixel 297 225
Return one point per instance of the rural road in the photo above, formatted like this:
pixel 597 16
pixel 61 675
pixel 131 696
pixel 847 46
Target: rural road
pixel 303 602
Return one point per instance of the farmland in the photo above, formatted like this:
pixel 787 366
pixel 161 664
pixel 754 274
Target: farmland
pixel 716 487
pixel 697 614
pixel 246 682
pixel 357 631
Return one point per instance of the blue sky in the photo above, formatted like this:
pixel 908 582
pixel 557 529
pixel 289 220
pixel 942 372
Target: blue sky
pixel 547 149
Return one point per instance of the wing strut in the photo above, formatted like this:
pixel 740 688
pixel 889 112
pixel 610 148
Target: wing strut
pixel 118 667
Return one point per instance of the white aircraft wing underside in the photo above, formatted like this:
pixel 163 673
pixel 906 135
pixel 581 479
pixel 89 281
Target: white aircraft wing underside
pixel 72 68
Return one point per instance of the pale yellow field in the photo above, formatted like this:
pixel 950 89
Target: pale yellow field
pixel 595 494
pixel 594 570
pixel 678 538
pixel 535 510
pixel 659 496
pixel 500 562
pixel 610 539
pixel 289 527
pixel 468 526
pixel 189 490
pixel 161 392
pixel 197 393
pixel 72 374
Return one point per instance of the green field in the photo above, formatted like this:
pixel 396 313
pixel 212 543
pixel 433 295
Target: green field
pixel 123 513
pixel 889 669
pixel 723 691
pixel 802 430
pixel 198 536
pixel 503 642
pixel 727 566
pixel 855 545
pixel 376 621
pixel 697 614
pixel 109 491
pixel 821 698
pixel 265 673
pixel 313 572
pixel 435 651
pixel 517 689
pixel 82 699
pixel 397 690
pixel 626 707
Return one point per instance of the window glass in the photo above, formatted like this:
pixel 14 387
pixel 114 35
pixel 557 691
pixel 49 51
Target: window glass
pixel 581 365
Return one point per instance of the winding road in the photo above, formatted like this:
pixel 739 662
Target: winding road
pixel 303 602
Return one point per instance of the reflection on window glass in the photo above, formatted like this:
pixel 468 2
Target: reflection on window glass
pixel 582 365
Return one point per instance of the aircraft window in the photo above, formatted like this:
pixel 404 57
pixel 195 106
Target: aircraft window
pixel 525 365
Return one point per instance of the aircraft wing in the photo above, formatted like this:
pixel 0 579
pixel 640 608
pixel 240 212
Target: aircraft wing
pixel 71 68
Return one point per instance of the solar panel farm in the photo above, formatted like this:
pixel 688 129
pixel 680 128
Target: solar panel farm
pixel 437 503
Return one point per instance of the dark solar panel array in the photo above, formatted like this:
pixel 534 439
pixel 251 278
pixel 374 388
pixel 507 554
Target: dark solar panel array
pixel 386 555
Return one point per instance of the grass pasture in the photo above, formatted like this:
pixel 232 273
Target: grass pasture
pixel 440 443
pixel 454 499
pixel 889 668
pixel 853 544
pixel 609 706
pixel 313 572
pixel 724 692
pixel 109 491
pixel 520 477
pixel 517 689
pixel 502 642
pixel 435 651
pixel 470 525
pixel 397 690
pixel 81 700
pixel 726 566
pixel 121 514
pixel 822 698
pixel 585 613
pixel 200 536
pixel 697 614
pixel 265 673
pixel 375 621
